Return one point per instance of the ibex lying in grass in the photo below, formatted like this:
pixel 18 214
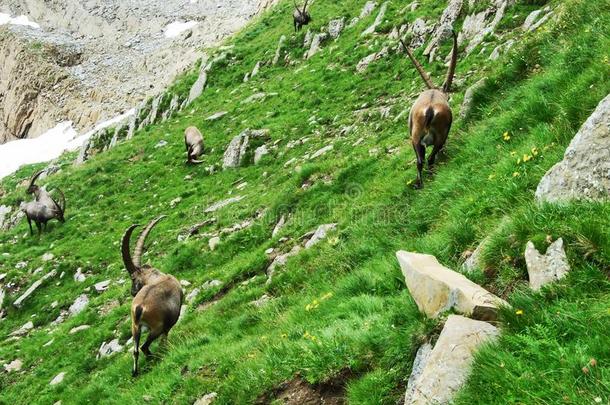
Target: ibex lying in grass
pixel 431 117
pixel 301 17
pixel 157 296
pixel 194 145
pixel 43 196
pixel 41 214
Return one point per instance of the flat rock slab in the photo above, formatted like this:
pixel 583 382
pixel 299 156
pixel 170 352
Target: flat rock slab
pixel 440 373
pixel 544 269
pixel 437 289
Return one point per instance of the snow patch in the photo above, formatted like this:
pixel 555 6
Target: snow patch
pixel 21 20
pixel 176 28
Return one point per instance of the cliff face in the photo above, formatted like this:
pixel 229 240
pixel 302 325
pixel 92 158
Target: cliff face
pixel 94 60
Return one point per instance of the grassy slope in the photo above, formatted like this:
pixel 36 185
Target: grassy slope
pixel 540 94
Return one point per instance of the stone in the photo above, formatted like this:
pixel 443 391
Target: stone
pixel 447 367
pixel 278 51
pixel 444 26
pixel 500 8
pixel 321 152
pixel 364 63
pixel 33 288
pixel 236 153
pixel 584 172
pixel 5 211
pixel 211 284
pixel 467 104
pixel 421 358
pixel 101 286
pixel 207 399
pixel 213 243
pixel 79 305
pixel 174 202
pixel 320 234
pixel 162 143
pixel 278 227
pixel 280 261
pixel 14 365
pixel 48 257
pixel 378 20
pixel 420 31
pixel 262 301
pixel 221 204
pixel 199 85
pixel 500 49
pixel 308 39
pixel 316 44
pixel 2 295
pixel 259 153
pixel 437 289
pixel 530 19
pixel 79 328
pixel 58 378
pixel 256 69
pixel 108 349
pixel 217 116
pixel 544 269
pixel 541 21
pixel 368 8
pixel 79 277
pixel 192 295
pixel 335 27
pixel 23 330
pixel 473 261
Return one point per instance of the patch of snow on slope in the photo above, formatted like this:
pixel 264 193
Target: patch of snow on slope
pixel 21 20
pixel 176 28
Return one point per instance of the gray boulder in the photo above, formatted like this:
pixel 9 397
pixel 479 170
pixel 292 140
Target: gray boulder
pixel 544 269
pixel 335 27
pixel 236 152
pixel 466 107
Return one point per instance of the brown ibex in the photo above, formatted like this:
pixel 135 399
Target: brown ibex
pixel 41 195
pixel 157 296
pixel 430 118
pixel 194 145
pixel 300 17
pixel 41 213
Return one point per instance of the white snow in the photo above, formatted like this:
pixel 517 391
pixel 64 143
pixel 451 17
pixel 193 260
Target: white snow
pixel 21 20
pixel 176 28
pixel 47 146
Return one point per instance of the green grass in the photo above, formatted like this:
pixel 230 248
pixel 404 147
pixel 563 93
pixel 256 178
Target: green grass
pixel 365 321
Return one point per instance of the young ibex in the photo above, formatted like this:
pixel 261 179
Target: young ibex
pixel 157 296
pixel 430 118
pixel 301 17
pixel 42 196
pixel 41 213
pixel 194 145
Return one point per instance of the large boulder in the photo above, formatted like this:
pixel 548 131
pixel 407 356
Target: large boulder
pixel 437 289
pixel 237 151
pixel 584 172
pixel 378 20
pixel 467 104
pixel 440 373
pixel 544 269
pixel 316 44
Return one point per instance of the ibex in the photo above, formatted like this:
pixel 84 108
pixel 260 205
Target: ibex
pixel 41 214
pixel 300 17
pixel 194 145
pixel 157 296
pixel 430 118
pixel 42 196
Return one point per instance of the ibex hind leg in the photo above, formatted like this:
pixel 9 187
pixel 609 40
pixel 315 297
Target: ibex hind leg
pixel 135 332
pixel 420 152
pixel 152 336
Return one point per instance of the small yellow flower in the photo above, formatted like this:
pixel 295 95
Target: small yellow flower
pixel 516 174
pixel 535 151
pixel 519 312
pixel 492 176
pixel 513 153
pixel 527 158
pixel 284 335
pixel 506 136
pixel 326 296
pixel 519 161
pixel 410 182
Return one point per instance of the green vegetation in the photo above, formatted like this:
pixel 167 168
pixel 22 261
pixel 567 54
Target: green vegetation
pixel 340 308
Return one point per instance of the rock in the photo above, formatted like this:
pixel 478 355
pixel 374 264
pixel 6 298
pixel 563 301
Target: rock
pixel 236 153
pixel 202 79
pixel 214 242
pixel 217 116
pixel 378 20
pixel 79 328
pixel 185 283
pixel 207 399
pixel 320 234
pixel 254 97
pixel 541 21
pixel 368 9
pixel 33 288
pixel 478 37
pixel 278 51
pixel 308 39
pixel 321 152
pixel 11 220
pixel 447 367
pixel 316 44
pixel 162 143
pixel 498 50
pixel 531 18
pixel 14 365
pixel 80 303
pixel 278 227
pixel 466 107
pixel 364 63
pixel 262 301
pixel 421 358
pixel 5 211
pixel 192 295
pixel 437 289
pixel 335 27
pixel 23 330
pixel 79 277
pixel 101 286
pixel 584 172
pixel 281 261
pixel 58 378
pixel 211 284
pixel 221 204
pixel 21 265
pixel 420 31
pixel 544 269
pixel 256 69
pixel 259 153
pixel 174 202
pixel 473 261
pixel 444 27
pixel 2 295
pixel 48 257
pixel 110 348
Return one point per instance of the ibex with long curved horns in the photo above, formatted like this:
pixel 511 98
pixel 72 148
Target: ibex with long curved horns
pixel 194 145
pixel 157 296
pixel 42 196
pixel 41 213
pixel 301 17
pixel 430 118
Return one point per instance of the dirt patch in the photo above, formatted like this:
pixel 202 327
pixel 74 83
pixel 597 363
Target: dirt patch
pixel 299 392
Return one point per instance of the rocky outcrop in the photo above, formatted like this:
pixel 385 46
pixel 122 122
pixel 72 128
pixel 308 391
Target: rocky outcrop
pixel 584 172
pixel 467 104
pixel 544 269
pixel 444 27
pixel 335 27
pixel 441 372
pixel 382 10
pixel 237 152
pixel 19 301
pixel 316 44
pixel 477 26
pixel 437 289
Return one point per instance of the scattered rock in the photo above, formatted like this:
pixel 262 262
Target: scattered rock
pixel 202 79
pixel 497 9
pixel 33 288
pixel 437 289
pixel 444 27
pixel 278 227
pixel 378 20
pixel 254 97
pixel 162 143
pixel 583 174
pixel 214 242
pixel 211 284
pixel 368 9
pixel 498 50
pixel 316 44
pixel 473 260
pixel 364 63
pixel 80 303
pixel 421 358
pixel 308 39
pixel 207 399
pixel 5 211
pixel 48 257
pixel 221 204
pixel 544 269
pixel 217 116
pixel 335 27
pixel 531 18
pixel 174 202
pixel 23 330
pixel 14 365
pixel 58 378
pixel 259 153
pixel 110 348
pixel 420 31
pixel 192 295
pixel 79 328
pixel 446 368
pixel 321 152
pixel 467 104
pixel 281 261
pixel 101 286
pixel 278 51
pixel 262 301
pixel 320 234
pixel 79 277
pixel 237 151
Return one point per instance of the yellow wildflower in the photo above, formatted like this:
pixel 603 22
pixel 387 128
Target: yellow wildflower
pixel 535 151
pixel 516 174
pixel 519 312
pixel 506 136
pixel 527 158
pixel 492 176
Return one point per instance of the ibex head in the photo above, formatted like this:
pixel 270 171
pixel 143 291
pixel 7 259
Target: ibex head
pixel 139 274
pixel 32 187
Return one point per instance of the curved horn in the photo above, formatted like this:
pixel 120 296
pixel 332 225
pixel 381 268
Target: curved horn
pixel 452 64
pixel 305 6
pixel 62 207
pixel 137 253
pixel 129 265
pixel 419 67
pixel 34 178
